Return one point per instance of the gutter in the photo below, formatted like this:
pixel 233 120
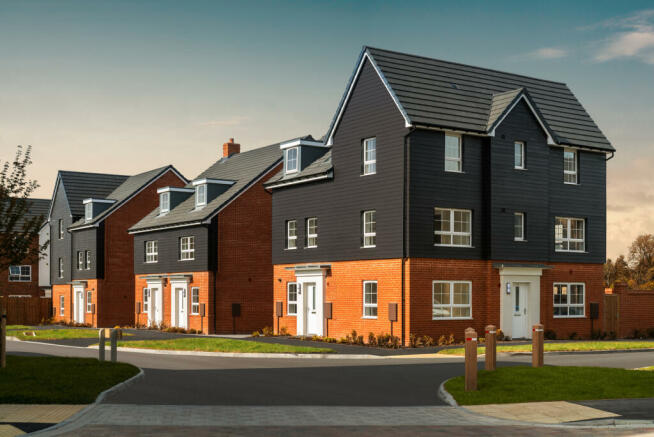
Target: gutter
pixel 610 157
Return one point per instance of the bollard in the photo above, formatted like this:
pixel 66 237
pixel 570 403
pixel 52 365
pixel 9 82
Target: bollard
pixel 114 345
pixel 101 344
pixel 491 347
pixel 537 346
pixel 471 360
pixel 3 339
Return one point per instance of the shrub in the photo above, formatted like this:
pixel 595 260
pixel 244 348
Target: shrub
pixel 612 335
pixel 427 341
pixel 597 335
pixel 442 341
pixel 283 331
pixel 572 336
pixel 267 331
pixel 650 332
pixel 450 339
pixel 638 334
pixel 344 340
pixel 372 340
pixel 500 335
pixel 359 339
pixel 413 340
pixel 255 334
pixel 330 340
pixel 549 334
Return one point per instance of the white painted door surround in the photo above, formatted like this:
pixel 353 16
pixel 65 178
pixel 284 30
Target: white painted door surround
pixel 310 301
pixel 179 303
pixel 527 280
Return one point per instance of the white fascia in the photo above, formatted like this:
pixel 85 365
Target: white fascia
pixel 92 200
pixel 212 181
pixel 175 189
pixel 550 140
pixel 301 142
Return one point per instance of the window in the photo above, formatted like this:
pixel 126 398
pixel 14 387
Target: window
pixel 187 248
pixel 291 289
pixel 201 195
pixel 89 301
pixel 451 300
pixel 195 300
pixel 61 267
pixel 452 227
pixel 61 229
pixel 164 202
pixel 370 299
pixel 569 235
pixel 146 300
pixel 80 260
pixel 88 211
pixel 312 232
pixel 519 226
pixel 151 251
pixel 292 160
pixel 569 166
pixel 20 273
pixel 370 156
pixel 569 300
pixel 61 306
pixel 519 155
pixel 291 234
pixel 88 260
pixel 369 228
pixel 453 152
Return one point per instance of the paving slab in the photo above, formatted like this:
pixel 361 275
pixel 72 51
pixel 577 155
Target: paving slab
pixel 542 412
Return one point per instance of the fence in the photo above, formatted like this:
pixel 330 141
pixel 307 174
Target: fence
pixel 628 312
pixel 26 310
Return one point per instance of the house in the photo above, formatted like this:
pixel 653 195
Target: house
pixel 443 196
pixel 202 259
pixel 24 280
pixel 90 250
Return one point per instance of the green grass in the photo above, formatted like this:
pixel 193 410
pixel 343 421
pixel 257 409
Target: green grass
pixel 650 368
pixel 56 334
pixel 55 380
pixel 562 347
pixel 222 345
pixel 11 327
pixel 528 384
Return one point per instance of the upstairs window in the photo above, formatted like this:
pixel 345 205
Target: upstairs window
pixel 519 226
pixel 146 300
pixel 20 273
pixel 195 300
pixel 291 234
pixel 151 251
pixel 88 211
pixel 369 228
pixel 61 229
pixel 569 234
pixel 292 160
pixel 312 232
pixel 519 155
pixel 570 175
pixel 61 268
pixel 369 156
pixel 187 248
pixel 164 202
pixel 201 195
pixel 369 299
pixel 452 227
pixel 88 260
pixel 291 288
pixel 453 161
pixel 80 260
pixel 569 300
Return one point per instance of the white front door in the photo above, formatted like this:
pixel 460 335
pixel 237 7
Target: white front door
pixel 155 310
pixel 520 310
pixel 313 300
pixel 179 310
pixel 78 308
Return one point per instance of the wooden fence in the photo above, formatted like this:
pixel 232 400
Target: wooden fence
pixel 26 310
pixel 627 312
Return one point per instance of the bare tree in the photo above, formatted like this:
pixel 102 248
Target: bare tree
pixel 641 257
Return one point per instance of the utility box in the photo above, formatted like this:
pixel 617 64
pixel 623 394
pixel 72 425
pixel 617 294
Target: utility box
pixel 203 310
pixel 236 310
pixel 327 310
pixel 279 309
pixel 594 310
pixel 392 312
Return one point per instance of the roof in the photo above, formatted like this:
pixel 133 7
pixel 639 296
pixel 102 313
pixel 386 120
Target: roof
pixel 243 168
pixel 321 166
pixel 35 208
pixel 436 93
pixel 123 192
pixel 81 185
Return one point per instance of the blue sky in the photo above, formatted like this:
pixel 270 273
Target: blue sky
pixel 124 86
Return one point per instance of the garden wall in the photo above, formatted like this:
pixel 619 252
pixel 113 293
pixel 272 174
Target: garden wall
pixel 627 311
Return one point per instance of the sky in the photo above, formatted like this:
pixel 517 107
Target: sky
pixel 126 86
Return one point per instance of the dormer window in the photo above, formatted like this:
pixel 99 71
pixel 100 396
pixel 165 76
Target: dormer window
pixel 164 202
pixel 200 195
pixel 88 211
pixel 292 160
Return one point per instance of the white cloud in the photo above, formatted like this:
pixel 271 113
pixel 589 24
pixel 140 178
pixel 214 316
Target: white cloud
pixel 634 38
pixel 549 53
pixel 230 121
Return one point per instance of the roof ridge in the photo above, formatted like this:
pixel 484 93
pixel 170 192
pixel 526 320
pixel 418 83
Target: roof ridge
pixel 93 173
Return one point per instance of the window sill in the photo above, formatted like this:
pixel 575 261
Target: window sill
pixel 454 171
pixel 291 248
pixel 188 259
pixel 369 318
pixel 571 183
pixel 568 317
pixel 367 174
pixel 368 247
pixel 454 245
pixel 519 241
pixel 570 251
pixel 290 315
pixel 311 247
pixel 150 262
pixel 451 318
pixel 22 280
pixel 520 168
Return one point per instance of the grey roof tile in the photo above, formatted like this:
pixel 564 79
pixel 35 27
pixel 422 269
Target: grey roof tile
pixel 320 166
pixel 35 208
pixel 82 185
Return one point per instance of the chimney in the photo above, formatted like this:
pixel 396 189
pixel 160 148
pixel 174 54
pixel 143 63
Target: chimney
pixel 230 148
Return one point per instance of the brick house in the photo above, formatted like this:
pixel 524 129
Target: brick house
pixel 443 196
pixel 202 258
pixel 91 252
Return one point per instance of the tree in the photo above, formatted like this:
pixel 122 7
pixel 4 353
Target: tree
pixel 18 232
pixel 609 273
pixel 641 257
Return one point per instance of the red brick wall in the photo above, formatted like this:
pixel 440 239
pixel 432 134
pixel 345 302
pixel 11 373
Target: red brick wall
pixel 66 291
pixel 21 288
pixel 636 310
pixel 245 271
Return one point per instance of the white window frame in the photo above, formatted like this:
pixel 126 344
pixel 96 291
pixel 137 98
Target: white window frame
pixel 151 251
pixel 188 253
pixel 451 305
pixel 61 229
pixel 164 202
pixel 571 173
pixel 451 231
pixel 80 260
pixel 195 306
pixel 20 276
pixel 87 255
pixel 369 165
pixel 62 308
pixel 521 227
pixel 521 165
pixel 566 238
pixel 289 301
pixel 200 195
pixel 370 305
pixel 88 211
pixel 458 160
pixel 369 235
pixel 287 168
pixel 291 238
pixel 568 305
pixel 146 300
pixel 89 301
pixel 312 237
pixel 61 268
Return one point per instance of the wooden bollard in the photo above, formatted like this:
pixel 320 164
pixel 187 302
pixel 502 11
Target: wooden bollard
pixel 471 360
pixel 491 347
pixel 114 345
pixel 101 344
pixel 537 347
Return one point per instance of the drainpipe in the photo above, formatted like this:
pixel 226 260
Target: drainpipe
pixel 610 157
pixel 405 208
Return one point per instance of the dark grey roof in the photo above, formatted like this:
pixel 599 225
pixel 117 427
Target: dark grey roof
pixel 80 185
pixel 121 193
pixel 243 168
pixel 35 208
pixel 320 166
pixel 449 95
pixel 499 104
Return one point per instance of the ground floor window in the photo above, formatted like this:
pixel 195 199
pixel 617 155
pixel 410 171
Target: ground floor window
pixel 146 300
pixel 370 299
pixel 61 306
pixel 195 301
pixel 569 300
pixel 451 300
pixel 291 288
pixel 89 301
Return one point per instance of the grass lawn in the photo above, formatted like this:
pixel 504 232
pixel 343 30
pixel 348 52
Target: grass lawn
pixel 10 327
pixel 55 380
pixel 562 347
pixel 650 368
pixel 55 334
pixel 222 345
pixel 552 383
